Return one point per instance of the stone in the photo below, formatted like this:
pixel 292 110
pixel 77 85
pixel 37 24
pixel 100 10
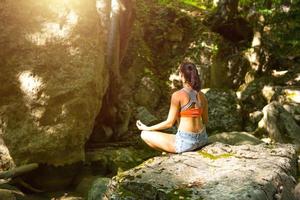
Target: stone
pixel 85 185
pixel 223 110
pixel 255 116
pixel 250 94
pixel 297 192
pixel 145 116
pixel 148 93
pixel 234 138
pixel 294 110
pixel 282 94
pixel 217 171
pixel 279 124
pixel 98 189
pixel 55 78
pixel 252 121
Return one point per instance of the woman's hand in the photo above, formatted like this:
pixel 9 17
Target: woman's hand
pixel 141 126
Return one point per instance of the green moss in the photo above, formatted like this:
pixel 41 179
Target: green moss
pixel 123 193
pixel 215 157
pixel 123 176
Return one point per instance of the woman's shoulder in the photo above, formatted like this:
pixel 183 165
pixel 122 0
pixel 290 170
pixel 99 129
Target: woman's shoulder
pixel 177 92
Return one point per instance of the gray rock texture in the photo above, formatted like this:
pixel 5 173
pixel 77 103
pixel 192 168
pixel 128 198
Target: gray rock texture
pixel 234 138
pixel 98 189
pixel 148 93
pixel 279 123
pixel 223 110
pixel 217 171
pixel 52 67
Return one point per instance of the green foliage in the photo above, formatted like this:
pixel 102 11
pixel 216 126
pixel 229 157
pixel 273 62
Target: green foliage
pixel 282 19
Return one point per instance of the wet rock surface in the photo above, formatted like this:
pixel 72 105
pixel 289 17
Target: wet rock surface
pixel 217 171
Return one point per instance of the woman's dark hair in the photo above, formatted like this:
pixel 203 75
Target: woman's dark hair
pixel 190 74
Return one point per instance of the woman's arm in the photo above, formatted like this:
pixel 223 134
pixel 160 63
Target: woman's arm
pixel 168 123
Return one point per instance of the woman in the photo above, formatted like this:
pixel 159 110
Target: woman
pixel 188 106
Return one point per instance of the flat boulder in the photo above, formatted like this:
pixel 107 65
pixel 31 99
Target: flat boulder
pixel 217 171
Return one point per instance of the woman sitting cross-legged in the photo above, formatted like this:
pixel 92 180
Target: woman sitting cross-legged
pixel 189 106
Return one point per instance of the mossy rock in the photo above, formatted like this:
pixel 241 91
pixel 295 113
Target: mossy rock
pixel 234 138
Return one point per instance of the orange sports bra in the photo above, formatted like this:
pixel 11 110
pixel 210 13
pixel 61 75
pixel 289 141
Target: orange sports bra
pixel 186 111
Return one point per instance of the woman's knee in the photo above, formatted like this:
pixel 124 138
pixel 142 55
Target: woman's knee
pixel 145 135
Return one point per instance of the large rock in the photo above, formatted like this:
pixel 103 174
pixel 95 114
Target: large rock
pixel 98 189
pixel 148 93
pixel 251 96
pixel 279 123
pixel 235 138
pixel 145 116
pixel 217 171
pixel 252 120
pixel 223 110
pixel 53 75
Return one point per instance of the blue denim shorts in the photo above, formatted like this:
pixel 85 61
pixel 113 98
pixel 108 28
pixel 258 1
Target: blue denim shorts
pixel 188 141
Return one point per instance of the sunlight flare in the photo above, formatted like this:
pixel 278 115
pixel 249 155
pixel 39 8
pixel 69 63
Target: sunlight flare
pixel 293 95
pixel 30 84
pixel 55 30
pixel 115 5
pixel 277 73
